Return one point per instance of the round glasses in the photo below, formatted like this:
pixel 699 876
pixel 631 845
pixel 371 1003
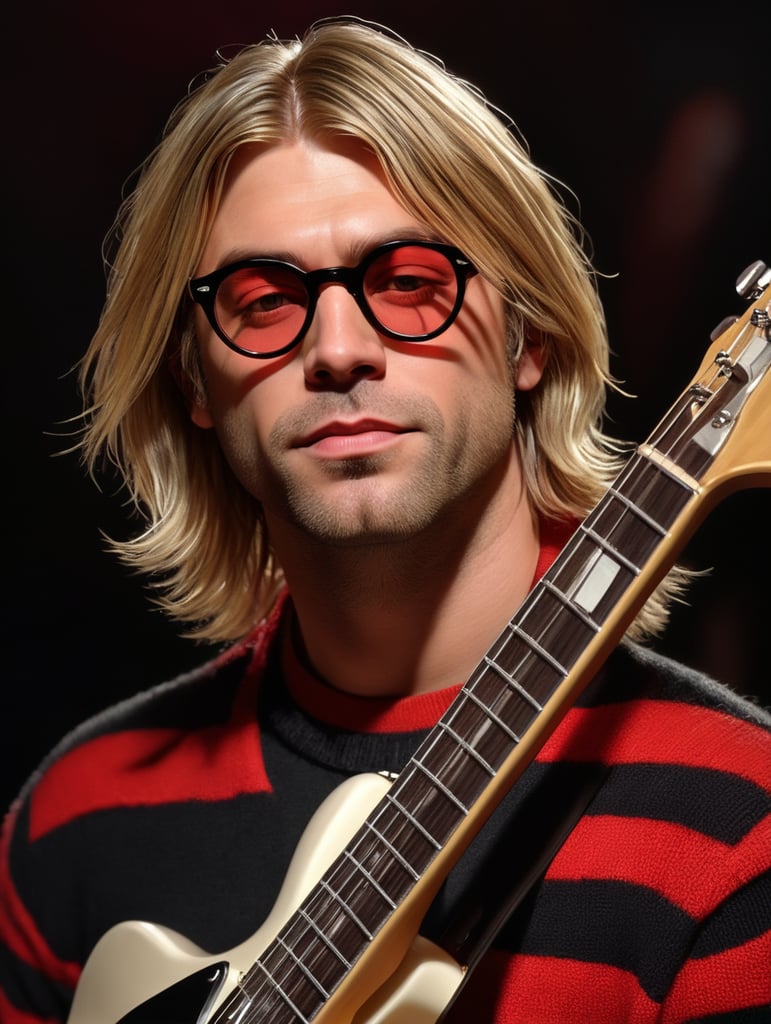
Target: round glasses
pixel 409 291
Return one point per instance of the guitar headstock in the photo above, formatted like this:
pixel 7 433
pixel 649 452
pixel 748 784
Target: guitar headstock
pixel 721 432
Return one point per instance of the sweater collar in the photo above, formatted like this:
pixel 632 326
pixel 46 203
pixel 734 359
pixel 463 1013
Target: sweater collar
pixel 339 709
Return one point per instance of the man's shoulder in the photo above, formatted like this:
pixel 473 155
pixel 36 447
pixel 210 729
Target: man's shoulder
pixel 191 700
pixel 158 734
pixel 199 698
pixel 637 672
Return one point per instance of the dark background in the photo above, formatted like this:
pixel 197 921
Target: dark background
pixel 656 117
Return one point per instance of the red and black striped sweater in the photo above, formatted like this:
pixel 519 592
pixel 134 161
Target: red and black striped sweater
pixel 183 807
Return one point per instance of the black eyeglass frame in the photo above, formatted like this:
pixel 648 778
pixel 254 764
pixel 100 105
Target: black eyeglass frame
pixel 203 290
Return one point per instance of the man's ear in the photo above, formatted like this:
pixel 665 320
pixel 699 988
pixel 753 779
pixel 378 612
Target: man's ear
pixel 529 368
pixel 193 394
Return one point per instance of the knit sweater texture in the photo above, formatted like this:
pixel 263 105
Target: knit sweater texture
pixel 183 807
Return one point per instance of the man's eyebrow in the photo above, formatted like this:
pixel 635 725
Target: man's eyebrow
pixel 252 252
pixel 356 251
pixel 412 233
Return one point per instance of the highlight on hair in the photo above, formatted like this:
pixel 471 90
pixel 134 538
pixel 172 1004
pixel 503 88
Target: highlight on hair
pixel 467 177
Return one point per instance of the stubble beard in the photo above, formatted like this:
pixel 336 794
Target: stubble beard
pixel 362 508
pixel 369 503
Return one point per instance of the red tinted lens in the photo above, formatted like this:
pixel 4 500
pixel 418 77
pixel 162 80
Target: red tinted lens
pixel 261 309
pixel 411 290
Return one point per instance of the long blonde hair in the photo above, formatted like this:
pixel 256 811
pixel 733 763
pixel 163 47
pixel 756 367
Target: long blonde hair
pixel 456 165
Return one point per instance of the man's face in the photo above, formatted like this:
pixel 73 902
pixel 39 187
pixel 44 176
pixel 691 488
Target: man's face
pixel 351 437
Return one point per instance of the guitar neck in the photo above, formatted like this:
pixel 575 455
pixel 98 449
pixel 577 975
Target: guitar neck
pixel 352 929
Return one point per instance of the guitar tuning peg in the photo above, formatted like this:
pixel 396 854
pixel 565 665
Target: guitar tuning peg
pixel 753 280
pixel 724 324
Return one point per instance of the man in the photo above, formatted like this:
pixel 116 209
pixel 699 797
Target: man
pixel 351 366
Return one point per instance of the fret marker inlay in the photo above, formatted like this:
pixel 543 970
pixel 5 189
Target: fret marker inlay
pixel 596 583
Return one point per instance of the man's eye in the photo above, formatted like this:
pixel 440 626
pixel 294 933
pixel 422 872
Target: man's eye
pixel 405 282
pixel 267 303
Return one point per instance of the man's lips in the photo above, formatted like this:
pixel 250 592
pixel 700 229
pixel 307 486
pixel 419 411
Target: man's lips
pixel 339 437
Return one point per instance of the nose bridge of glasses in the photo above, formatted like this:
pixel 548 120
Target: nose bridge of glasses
pixel 351 278
pixel 348 277
pixel 339 344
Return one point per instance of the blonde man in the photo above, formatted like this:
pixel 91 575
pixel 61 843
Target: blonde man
pixel 351 367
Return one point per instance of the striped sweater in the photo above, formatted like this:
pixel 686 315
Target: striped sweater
pixel 183 806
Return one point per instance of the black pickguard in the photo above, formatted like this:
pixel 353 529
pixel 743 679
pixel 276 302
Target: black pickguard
pixel 185 1002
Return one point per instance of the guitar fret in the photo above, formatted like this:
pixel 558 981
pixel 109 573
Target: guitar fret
pixel 468 692
pixel 538 649
pixel 246 1005
pixel 378 888
pixel 637 511
pixel 347 909
pixel 392 849
pixel 609 549
pixel 511 680
pixel 324 938
pixel 303 968
pixel 413 821
pixel 388 878
pixel 414 838
pixel 576 609
pixel 447 762
pixel 440 786
pixel 468 748
pixel 299 1015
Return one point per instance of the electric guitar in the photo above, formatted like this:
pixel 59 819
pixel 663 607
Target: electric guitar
pixel 342 944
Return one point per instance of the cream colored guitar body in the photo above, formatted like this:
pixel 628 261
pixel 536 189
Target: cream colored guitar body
pixel 134 961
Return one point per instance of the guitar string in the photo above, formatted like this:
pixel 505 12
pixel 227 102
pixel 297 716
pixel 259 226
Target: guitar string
pixel 345 877
pixel 318 904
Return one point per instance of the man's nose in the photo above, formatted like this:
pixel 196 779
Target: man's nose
pixel 341 346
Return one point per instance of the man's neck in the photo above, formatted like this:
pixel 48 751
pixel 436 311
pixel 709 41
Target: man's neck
pixel 414 616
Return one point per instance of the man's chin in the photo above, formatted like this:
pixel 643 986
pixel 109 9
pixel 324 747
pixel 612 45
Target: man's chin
pixel 378 520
